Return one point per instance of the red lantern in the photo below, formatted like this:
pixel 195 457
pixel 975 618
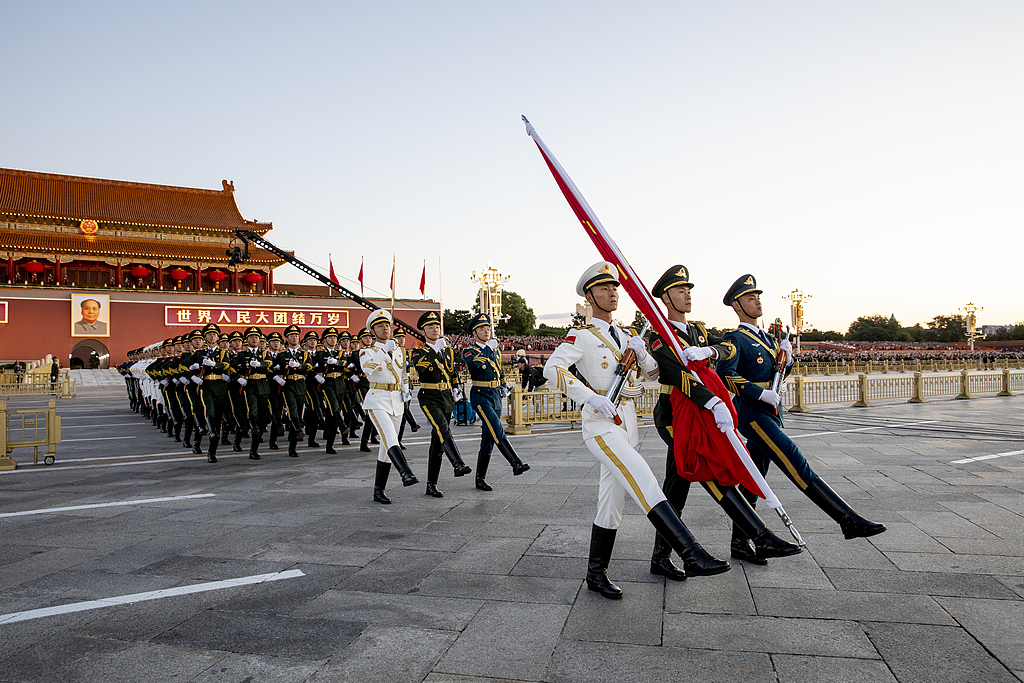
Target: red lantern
pixel 140 272
pixel 179 275
pixel 253 278
pixel 34 267
pixel 216 276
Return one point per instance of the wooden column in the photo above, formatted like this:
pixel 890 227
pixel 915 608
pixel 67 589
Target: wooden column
pixel 160 276
pixel 56 273
pixel 10 266
pixel 268 282
pixel 197 285
pixel 117 275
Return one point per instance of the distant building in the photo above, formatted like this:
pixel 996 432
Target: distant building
pixel 992 329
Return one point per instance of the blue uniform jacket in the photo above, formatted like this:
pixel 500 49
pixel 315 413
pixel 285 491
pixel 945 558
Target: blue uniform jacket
pixel 753 362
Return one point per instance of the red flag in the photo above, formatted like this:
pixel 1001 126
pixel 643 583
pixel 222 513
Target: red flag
pixel 334 278
pixel 735 459
pixel 423 280
pixel 361 290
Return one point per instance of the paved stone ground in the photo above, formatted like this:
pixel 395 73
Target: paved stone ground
pixel 488 586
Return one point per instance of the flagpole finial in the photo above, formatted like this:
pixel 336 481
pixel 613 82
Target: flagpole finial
pixel 529 126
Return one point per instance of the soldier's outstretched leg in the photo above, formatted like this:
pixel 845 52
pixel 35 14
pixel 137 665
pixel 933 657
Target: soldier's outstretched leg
pixel 852 524
pixel 601 543
pixel 482 460
pixel 398 459
pixel 675 533
pixel 380 481
pixel 518 466
pixel 455 458
pixel 766 544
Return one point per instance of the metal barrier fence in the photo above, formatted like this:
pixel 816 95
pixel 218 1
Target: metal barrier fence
pixel 28 429
pixel 525 409
pixel 37 384
pixel 867 367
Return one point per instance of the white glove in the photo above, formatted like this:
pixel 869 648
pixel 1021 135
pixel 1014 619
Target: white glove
pixel 194 366
pixel 255 363
pixel 209 362
pixel 279 379
pixel 226 378
pixel 197 379
pixel 332 361
pixel 723 418
pixel 319 378
pixel 639 348
pixel 390 346
pixel 770 397
pixel 442 343
pixel 493 343
pixel 292 363
pixel 788 348
pixel 602 405
pixel 351 365
pixel 242 381
pixel 697 353
pixel 503 391
pixel 406 395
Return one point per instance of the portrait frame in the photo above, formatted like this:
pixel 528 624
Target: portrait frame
pixel 77 317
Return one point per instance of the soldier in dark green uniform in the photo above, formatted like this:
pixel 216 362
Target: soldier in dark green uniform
pixel 250 366
pixel 296 362
pixel 313 412
pixel 213 391
pixel 346 389
pixel 673 288
pixel 329 360
pixel 407 416
pixel 193 360
pixel 365 340
pixel 435 365
pixel 275 344
pixel 748 374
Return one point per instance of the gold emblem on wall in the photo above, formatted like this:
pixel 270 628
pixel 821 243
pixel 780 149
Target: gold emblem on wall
pixel 89 227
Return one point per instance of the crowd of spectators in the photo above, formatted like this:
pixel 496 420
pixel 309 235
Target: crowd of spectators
pixel 899 351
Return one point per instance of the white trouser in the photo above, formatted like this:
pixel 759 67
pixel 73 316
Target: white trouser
pixel 387 428
pixel 623 471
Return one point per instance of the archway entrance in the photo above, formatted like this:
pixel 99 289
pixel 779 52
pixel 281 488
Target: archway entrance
pixel 82 353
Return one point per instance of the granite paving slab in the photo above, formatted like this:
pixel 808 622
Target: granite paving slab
pixel 387 654
pixel 997 624
pixel 804 669
pixel 922 583
pixel 856 605
pixel 449 614
pixel 636 620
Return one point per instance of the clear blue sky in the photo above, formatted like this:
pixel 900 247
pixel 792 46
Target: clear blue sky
pixel 869 153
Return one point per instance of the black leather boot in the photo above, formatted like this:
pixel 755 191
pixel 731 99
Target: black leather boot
pixel 293 442
pixel 197 446
pixel 482 460
pixel 698 561
pixel 366 437
pixel 852 524
pixel 766 544
pixel 380 481
pixel 177 431
pixel 601 542
pixel 433 491
pixel 273 438
pixel 398 458
pixel 254 454
pixel 344 437
pixel 211 455
pixel 455 458
pixel 237 445
pixel 740 547
pixel 518 466
pixel 186 440
pixel 330 434
pixel 661 560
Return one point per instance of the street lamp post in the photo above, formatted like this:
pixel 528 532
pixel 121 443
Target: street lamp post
pixel 491 281
pixel 796 300
pixel 972 321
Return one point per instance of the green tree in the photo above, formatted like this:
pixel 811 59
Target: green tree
pixel 548 331
pixel 520 317
pixel 876 328
pixel 949 328
pixel 578 320
pixel 455 322
pixel 815 335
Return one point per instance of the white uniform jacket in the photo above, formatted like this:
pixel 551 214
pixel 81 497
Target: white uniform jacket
pixel 595 354
pixel 381 369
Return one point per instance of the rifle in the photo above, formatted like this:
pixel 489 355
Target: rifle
pixel 780 371
pixel 622 371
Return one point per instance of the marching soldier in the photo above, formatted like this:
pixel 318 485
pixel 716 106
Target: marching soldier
pixel 215 371
pixel 435 365
pixel 296 363
pixel 673 288
pixel 596 351
pixel 314 381
pixel 346 389
pixel 484 362
pixel 362 385
pixel 251 366
pixel 748 375
pixel 383 401
pixel 193 360
pixel 275 345
pixel 330 362
pixel 239 409
pixel 407 417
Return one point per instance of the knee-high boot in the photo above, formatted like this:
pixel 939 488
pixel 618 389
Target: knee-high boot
pixel 211 455
pixel 398 458
pixel 601 543
pixel 455 458
pixel 293 442
pixel 177 431
pixel 482 460
pixel 380 481
pixel 330 434
pixel 750 525
pixel 186 441
pixel 433 470
pixel 852 524
pixel 237 445
pixel 366 437
pixel 671 528
pixel 518 466
pixel 197 445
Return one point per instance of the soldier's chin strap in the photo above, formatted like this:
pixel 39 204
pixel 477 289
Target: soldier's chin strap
pixel 593 300
pixel 752 317
pixel 672 303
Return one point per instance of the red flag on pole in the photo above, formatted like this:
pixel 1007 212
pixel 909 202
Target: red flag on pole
pixel 334 278
pixel 392 279
pixel 423 280
pixel 728 451
pixel 361 290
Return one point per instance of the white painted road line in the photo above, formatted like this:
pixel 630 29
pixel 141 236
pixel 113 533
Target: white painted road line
pixel 98 438
pixel 986 457
pixel 150 595
pixel 864 429
pixel 43 511
pixel 154 461
pixel 94 426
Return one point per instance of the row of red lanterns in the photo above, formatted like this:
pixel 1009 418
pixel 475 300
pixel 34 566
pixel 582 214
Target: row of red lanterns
pixel 35 267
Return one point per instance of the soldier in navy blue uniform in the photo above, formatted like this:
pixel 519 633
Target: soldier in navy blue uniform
pixel 484 362
pixel 748 375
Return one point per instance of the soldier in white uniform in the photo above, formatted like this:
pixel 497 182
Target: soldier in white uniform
pixel 383 402
pixel 596 350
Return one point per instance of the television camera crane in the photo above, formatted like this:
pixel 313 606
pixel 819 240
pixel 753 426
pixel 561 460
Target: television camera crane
pixel 239 254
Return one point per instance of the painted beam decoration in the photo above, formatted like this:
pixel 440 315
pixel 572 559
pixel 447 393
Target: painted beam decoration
pixel 193 316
